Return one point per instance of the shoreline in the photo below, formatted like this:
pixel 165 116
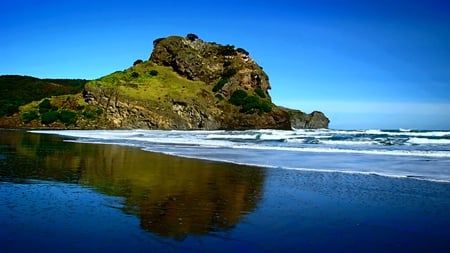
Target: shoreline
pixel 305 151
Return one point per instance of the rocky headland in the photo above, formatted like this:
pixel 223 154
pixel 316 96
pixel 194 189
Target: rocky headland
pixel 186 83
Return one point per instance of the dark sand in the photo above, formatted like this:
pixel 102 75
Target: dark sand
pixel 68 197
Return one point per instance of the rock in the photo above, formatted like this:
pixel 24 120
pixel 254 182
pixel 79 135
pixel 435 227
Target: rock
pixel 301 120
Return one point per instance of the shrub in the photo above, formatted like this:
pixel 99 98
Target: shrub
pixel 88 114
pixel 219 85
pixel 29 116
pixel 266 106
pixel 191 37
pixel 68 117
pixel 8 109
pixel 227 50
pixel 219 96
pixel 229 73
pixel 134 74
pixel 49 117
pixel 139 61
pixel 237 98
pixel 250 103
pixel 92 113
pixel 260 92
pixel 153 72
pixel 226 64
pixel 45 106
pixel 155 42
pixel 242 51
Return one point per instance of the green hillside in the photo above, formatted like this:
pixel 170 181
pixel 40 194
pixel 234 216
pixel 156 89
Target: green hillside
pixel 17 90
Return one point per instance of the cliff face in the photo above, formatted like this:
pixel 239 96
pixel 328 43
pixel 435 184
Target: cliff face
pixel 225 70
pixel 186 84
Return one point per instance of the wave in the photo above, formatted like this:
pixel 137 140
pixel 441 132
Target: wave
pixel 353 151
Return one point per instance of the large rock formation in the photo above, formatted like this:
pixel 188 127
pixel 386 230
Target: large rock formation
pixel 301 120
pixel 187 83
pixel 224 70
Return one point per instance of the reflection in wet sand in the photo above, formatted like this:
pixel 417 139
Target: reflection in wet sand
pixel 172 196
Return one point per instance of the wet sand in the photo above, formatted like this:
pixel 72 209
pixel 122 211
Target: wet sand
pixel 71 197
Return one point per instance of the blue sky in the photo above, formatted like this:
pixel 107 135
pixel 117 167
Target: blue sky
pixel 365 64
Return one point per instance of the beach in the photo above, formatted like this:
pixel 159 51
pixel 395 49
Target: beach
pixel 60 195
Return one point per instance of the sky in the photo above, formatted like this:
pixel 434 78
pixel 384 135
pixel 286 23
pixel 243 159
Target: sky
pixel 378 64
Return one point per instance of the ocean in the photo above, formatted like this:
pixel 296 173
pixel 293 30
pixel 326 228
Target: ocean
pixel 403 153
pixel 245 191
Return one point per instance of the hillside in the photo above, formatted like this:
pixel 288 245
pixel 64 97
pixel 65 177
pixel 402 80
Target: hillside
pixel 17 90
pixel 185 84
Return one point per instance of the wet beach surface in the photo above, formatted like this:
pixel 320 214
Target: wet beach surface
pixel 58 196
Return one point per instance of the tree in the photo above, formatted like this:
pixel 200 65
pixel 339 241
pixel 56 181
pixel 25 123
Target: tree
pixel 29 116
pixel 260 92
pixel 229 73
pixel 238 97
pixel 153 72
pixel 242 51
pixel 49 117
pixel 45 106
pixel 227 50
pixel 191 37
pixel 68 117
pixel 138 61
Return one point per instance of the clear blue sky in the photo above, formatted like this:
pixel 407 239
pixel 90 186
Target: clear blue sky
pixel 365 64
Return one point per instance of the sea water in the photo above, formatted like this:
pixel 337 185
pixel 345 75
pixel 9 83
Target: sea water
pixel 400 153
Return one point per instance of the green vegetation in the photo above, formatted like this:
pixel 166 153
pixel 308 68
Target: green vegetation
pixel 250 104
pixel 191 37
pixel 229 73
pixel 67 117
pixel 227 50
pixel 45 106
pixel 49 117
pixel 238 97
pixel 16 91
pixel 225 76
pixel 153 85
pixel 134 74
pixel 260 92
pixel 242 51
pixel 227 63
pixel 139 61
pixel 155 42
pixel 219 85
pixel 219 96
pixel 29 116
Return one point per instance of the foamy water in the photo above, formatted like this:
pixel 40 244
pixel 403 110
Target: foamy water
pixel 395 153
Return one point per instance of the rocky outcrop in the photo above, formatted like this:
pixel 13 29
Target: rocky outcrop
pixel 225 70
pixel 301 120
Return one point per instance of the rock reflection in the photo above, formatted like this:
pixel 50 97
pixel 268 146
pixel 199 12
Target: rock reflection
pixel 172 196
